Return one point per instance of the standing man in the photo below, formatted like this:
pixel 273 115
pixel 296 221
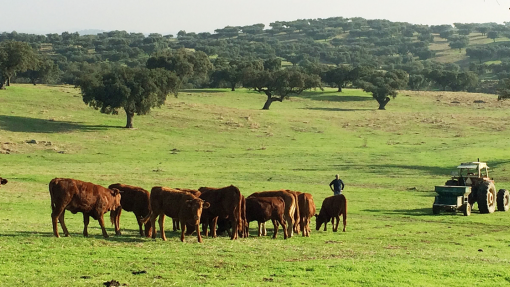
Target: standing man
pixel 337 185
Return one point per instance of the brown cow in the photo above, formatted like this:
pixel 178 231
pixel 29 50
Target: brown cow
pixel 306 211
pixel 290 205
pixel 78 196
pixel 262 209
pixel 225 225
pixel 176 204
pixel 175 221
pixel 332 207
pixel 3 181
pixel 136 200
pixel 297 218
pixel 225 203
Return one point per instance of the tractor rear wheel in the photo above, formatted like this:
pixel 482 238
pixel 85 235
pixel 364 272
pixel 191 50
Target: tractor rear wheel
pixel 503 200
pixel 486 197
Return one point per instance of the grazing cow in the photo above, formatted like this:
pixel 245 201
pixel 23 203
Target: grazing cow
pixel 3 181
pixel 261 209
pixel 290 205
pixel 175 204
pixel 225 225
pixel 306 211
pixel 332 207
pixel 78 196
pixel 225 203
pixel 136 200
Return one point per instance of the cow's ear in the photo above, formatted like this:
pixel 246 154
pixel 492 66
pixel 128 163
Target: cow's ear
pixel 206 205
pixel 114 191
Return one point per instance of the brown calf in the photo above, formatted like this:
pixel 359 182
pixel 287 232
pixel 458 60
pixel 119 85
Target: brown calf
pixel 175 221
pixel 78 196
pixel 225 203
pixel 136 200
pixel 175 204
pixel 261 209
pixel 290 205
pixel 332 207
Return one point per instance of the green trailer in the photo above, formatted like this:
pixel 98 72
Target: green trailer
pixel 452 199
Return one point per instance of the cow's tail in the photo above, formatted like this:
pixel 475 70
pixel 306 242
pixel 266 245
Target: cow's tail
pixel 145 219
pixel 344 212
pixel 52 186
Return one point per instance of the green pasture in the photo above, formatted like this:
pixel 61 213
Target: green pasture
pixel 389 160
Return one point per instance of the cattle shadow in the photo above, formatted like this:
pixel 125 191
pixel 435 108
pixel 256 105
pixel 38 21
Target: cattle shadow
pixel 398 168
pixel 34 125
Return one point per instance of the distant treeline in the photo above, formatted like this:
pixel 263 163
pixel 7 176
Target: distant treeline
pixel 322 47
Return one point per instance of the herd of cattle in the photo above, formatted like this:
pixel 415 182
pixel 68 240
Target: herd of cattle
pixel 217 209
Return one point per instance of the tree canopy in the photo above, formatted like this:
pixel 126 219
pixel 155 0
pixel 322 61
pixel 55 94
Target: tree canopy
pixel 136 90
pixel 383 84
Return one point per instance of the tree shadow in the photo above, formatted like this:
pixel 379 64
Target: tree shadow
pixel 34 125
pixel 207 91
pixel 414 212
pixel 333 97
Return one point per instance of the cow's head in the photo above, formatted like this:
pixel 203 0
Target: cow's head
pixel 197 205
pixel 3 181
pixel 115 193
pixel 319 220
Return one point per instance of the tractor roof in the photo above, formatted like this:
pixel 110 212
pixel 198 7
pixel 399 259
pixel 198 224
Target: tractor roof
pixel 475 164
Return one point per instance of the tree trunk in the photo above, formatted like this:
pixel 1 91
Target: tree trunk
pixel 382 103
pixel 233 86
pixel 129 123
pixel 339 89
pixel 8 82
pixel 268 103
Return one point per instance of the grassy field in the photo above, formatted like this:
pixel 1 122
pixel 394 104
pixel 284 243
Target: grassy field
pixel 389 160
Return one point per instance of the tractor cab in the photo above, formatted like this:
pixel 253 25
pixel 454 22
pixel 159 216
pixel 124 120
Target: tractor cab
pixel 470 174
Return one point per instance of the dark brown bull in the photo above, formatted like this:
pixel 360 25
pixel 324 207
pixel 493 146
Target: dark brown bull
pixel 306 211
pixel 331 209
pixel 78 196
pixel 136 200
pixel 261 209
pixel 175 204
pixel 225 203
pixel 290 205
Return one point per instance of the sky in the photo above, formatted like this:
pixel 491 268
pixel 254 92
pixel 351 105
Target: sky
pixel 170 16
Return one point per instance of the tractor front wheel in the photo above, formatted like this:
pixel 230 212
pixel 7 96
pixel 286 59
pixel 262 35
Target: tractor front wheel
pixel 503 200
pixel 486 197
pixel 466 209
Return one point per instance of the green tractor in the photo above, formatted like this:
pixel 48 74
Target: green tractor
pixel 470 183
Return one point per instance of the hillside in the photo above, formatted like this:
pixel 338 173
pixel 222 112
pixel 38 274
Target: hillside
pixel 389 160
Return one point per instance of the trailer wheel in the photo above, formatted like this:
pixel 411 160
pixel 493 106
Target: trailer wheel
pixel 466 209
pixel 503 200
pixel 436 209
pixel 486 197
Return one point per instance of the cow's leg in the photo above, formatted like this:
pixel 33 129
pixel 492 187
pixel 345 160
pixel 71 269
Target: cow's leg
pixel 275 224
pixel 148 229
pixel 325 225
pixel 197 229
pixel 55 218
pixel 345 220
pixel 264 231
pixel 260 228
pixel 213 226
pixel 140 225
pixel 290 224
pixel 175 224
pixel 284 226
pixel 183 230
pixel 161 222
pixel 205 226
pixel 86 220
pixel 153 225
pixel 101 222
pixel 235 225
pixel 335 228
pixel 116 219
